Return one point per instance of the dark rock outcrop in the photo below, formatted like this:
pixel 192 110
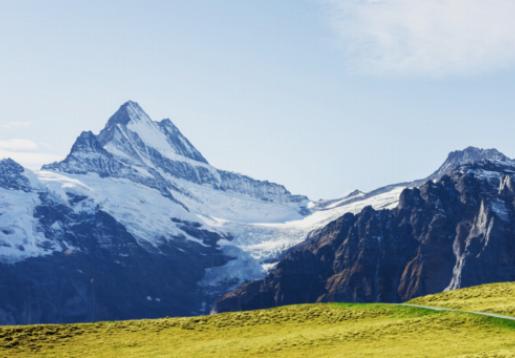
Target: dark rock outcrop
pixel 448 234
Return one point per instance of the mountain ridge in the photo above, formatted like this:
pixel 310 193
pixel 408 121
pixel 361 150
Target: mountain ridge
pixel 448 233
pixel 131 140
pixel 137 194
pixel 140 188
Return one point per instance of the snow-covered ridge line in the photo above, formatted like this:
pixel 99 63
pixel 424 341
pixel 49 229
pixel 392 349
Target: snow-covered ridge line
pixel 134 146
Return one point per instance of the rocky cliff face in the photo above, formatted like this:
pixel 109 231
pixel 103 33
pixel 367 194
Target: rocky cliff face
pixel 454 232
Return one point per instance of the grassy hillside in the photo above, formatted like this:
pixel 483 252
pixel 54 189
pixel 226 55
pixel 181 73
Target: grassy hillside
pixel 323 330
pixel 495 298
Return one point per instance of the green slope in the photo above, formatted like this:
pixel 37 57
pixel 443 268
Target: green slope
pixel 495 298
pixel 322 330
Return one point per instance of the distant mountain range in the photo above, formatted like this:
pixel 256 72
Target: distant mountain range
pixel 135 223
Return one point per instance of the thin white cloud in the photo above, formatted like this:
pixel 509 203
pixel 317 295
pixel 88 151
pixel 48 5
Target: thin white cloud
pixel 25 152
pixel 426 37
pixel 18 145
pixel 15 124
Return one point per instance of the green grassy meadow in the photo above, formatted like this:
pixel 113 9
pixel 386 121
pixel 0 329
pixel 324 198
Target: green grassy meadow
pixel 495 298
pixel 319 330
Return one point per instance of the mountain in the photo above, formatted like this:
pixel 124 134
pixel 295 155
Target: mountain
pixel 141 153
pixel 136 223
pixel 65 257
pixel 471 155
pixel 133 223
pixel 156 154
pixel 455 230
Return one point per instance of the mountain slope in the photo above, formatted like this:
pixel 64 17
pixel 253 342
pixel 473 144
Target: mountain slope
pixel 133 223
pixel 65 258
pixel 156 154
pixel 454 232
pixel 133 148
pixel 493 298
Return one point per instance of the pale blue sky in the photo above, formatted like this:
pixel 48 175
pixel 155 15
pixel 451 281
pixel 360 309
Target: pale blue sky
pixel 301 92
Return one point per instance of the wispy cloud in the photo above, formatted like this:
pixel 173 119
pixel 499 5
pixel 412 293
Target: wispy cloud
pixel 26 152
pixel 426 37
pixel 15 124
pixel 18 145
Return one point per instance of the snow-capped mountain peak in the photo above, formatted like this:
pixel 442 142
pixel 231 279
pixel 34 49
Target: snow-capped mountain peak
pixel 12 176
pixel 355 193
pixel 128 112
pixel 87 155
pixel 86 142
pixel 151 179
pixel 156 154
pixel 472 155
pixel 132 135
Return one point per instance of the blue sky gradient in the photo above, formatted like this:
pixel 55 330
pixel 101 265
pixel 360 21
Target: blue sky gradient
pixel 266 88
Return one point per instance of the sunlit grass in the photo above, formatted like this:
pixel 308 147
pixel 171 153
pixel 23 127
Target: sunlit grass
pixel 322 330
pixel 495 298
